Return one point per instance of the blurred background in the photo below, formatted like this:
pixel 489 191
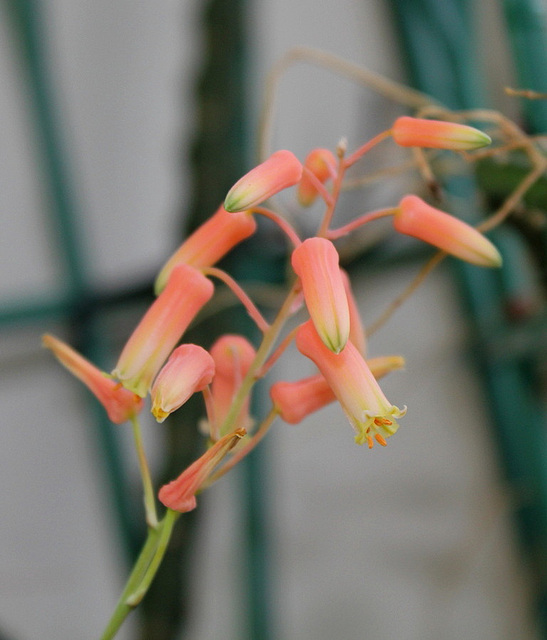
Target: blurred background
pixel 122 125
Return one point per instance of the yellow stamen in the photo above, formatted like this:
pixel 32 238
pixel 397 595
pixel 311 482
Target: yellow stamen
pixel 382 422
pixel 380 439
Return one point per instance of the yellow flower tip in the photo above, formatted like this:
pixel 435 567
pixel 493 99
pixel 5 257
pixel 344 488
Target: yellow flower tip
pixel 437 134
pixel 189 370
pixel 280 171
pixel 379 428
pixel 416 218
pixel 316 263
pixel 159 413
pixel 354 386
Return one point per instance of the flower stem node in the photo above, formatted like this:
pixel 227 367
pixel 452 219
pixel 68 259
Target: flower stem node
pixel 437 134
pixel 416 218
pixel 281 170
pixel 315 261
pixel 370 413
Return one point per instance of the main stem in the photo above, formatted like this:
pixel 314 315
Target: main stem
pixel 269 338
pixel 143 573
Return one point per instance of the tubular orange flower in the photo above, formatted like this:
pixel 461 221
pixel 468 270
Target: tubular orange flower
pixel 437 134
pixel 416 218
pixel 281 170
pixel 233 355
pixel 209 242
pixel 315 261
pixel 189 369
pixel 120 404
pixel 322 164
pixel 296 400
pixel 350 378
pixel 180 494
pixel 161 328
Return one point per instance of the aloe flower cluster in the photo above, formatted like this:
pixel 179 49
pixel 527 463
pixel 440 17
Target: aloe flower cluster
pixel 156 362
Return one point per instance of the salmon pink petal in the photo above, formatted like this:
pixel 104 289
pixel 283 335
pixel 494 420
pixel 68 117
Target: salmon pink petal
pixel 315 261
pixel 161 327
pixel 437 134
pixel 416 218
pixel 281 170
pixel 120 404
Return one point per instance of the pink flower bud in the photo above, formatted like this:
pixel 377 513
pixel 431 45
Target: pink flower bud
pixel 189 369
pixel 233 356
pixel 354 386
pixel 209 242
pixel 322 163
pixel 180 494
pixel 416 218
pixel 315 261
pixel 161 327
pixel 120 404
pixel 437 134
pixel 281 170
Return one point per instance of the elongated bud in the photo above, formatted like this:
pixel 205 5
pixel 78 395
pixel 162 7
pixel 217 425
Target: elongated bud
pixel 281 170
pixel 296 400
pixel 315 261
pixel 209 243
pixel 233 356
pixel 322 164
pixel 416 218
pixel 356 328
pixel 189 369
pixel 354 386
pixel 437 134
pixel 180 494
pixel 161 328
pixel 120 404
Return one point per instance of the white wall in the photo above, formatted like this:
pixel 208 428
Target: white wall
pixel 411 541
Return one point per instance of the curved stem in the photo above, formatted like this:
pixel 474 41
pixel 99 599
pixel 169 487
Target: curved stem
pixel 168 522
pixel 281 223
pixel 122 609
pixel 277 353
pixel 242 296
pixel 408 291
pixel 149 500
pixel 261 355
pixel 319 186
pixel 357 155
pixel 336 188
pixel 334 234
